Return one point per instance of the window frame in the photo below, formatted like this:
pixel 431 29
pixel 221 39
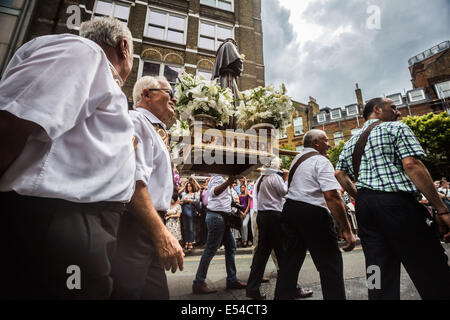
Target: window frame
pixel 334 118
pixel 395 101
pixel 437 85
pixel 215 24
pixel 217 5
pixel 113 8
pixel 352 106
pixel 301 123
pixel 324 117
pixel 162 66
pixel 168 13
pixel 416 99
pixel 338 139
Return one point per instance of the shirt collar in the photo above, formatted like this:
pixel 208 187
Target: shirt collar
pixel 150 116
pixel 368 122
pixel 116 75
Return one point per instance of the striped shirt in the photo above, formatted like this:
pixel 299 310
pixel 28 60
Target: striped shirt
pixel 381 164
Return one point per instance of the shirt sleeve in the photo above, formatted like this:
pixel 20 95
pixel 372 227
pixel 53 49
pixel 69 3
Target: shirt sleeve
pixel 406 144
pixel 215 181
pixel 342 162
pixel 325 175
pixel 144 150
pixel 56 85
pixel 278 185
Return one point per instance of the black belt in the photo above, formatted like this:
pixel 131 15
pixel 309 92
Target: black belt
pixel 219 212
pixel 402 193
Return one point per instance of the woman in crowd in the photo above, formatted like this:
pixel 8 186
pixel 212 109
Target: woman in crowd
pixel 173 217
pixel 245 203
pixel 189 201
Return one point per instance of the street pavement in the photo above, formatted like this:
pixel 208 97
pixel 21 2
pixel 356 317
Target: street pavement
pixel 180 283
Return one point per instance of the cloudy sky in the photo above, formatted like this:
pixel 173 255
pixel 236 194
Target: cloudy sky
pixel 321 48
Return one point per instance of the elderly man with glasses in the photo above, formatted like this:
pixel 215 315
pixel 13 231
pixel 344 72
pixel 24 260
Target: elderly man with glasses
pixel 145 245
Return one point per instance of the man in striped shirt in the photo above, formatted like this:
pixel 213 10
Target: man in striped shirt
pixel 392 224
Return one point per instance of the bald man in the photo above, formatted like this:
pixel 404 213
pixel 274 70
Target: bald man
pixel 307 223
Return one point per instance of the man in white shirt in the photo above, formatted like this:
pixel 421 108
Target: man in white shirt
pixel 145 245
pixel 67 162
pixel 308 225
pixel 219 203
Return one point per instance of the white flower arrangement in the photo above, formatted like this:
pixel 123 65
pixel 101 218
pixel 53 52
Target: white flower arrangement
pixel 179 129
pixel 265 105
pixel 196 95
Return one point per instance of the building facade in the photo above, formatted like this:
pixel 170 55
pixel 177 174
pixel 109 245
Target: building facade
pixel 168 35
pixel 430 73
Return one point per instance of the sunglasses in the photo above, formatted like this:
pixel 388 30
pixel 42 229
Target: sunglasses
pixel 169 91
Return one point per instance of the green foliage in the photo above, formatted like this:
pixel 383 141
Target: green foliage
pixel 335 152
pixel 286 161
pixel 433 133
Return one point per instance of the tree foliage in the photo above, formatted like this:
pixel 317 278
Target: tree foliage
pixel 334 152
pixel 286 161
pixel 433 133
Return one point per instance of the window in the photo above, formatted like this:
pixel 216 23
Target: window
pixel 10 12
pixel 321 117
pixel 338 137
pixel 355 131
pixel 335 114
pixel 207 74
pixel 161 69
pixel 114 9
pixel 166 26
pixel 221 4
pixel 416 95
pixel 298 126
pixel 212 35
pixel 443 89
pixel 397 98
pixel 299 148
pixel 352 110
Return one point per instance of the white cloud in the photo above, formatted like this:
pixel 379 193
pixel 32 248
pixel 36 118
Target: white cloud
pixel 321 48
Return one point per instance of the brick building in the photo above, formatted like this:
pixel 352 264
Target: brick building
pixel 430 73
pixel 168 35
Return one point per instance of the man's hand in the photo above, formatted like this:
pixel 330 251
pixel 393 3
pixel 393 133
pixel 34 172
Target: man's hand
pixel 350 240
pixel 444 226
pixel 170 253
pixel 285 174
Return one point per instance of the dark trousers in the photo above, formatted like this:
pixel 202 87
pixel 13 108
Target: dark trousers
pixel 270 238
pixel 136 270
pixel 308 227
pixel 49 246
pixel 393 231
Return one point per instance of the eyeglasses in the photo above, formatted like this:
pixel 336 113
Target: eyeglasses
pixel 169 91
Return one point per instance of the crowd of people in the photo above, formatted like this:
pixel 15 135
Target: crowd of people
pixel 87 185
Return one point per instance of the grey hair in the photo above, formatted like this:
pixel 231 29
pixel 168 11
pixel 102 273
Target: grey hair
pixel 106 31
pixel 311 136
pixel 146 82
pixel 275 163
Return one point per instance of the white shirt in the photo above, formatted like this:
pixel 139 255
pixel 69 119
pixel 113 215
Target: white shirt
pixel 271 192
pixel 83 150
pixel 313 177
pixel 153 165
pixel 221 202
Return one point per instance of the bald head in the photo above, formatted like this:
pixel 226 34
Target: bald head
pixel 312 136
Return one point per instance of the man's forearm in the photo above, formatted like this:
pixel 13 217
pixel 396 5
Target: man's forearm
pixel 219 189
pixel 337 208
pixel 141 206
pixel 421 178
pixel 346 183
